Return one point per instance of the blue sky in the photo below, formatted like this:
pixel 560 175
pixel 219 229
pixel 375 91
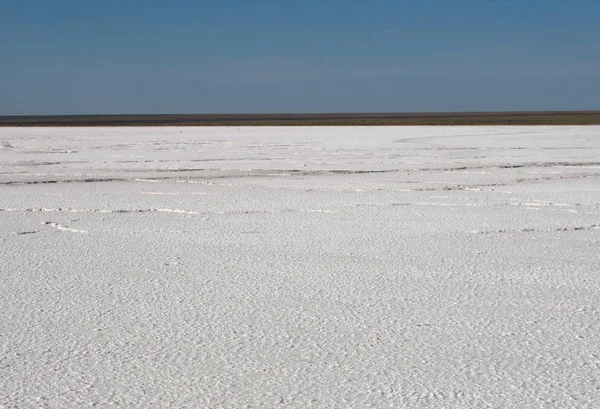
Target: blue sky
pixel 234 56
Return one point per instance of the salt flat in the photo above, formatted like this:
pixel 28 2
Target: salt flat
pixel 300 267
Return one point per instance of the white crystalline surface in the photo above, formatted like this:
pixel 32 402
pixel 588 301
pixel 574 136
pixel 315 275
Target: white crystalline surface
pixel 334 267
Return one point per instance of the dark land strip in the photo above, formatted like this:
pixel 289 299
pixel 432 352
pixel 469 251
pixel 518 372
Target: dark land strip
pixel 373 119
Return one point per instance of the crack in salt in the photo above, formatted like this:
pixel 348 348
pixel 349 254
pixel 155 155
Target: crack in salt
pixel 64 228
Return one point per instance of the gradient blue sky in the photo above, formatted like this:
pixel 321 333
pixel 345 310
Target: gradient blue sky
pixel 243 56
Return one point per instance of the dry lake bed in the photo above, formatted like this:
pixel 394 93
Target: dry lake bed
pixel 293 267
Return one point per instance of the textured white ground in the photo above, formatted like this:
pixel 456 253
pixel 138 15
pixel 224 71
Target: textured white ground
pixel 426 267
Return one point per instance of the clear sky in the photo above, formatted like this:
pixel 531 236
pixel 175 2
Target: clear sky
pixel 246 56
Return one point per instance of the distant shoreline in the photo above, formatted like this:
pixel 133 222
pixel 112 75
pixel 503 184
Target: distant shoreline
pixel 356 119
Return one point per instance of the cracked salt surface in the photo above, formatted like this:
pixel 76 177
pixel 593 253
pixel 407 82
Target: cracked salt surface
pixel 303 267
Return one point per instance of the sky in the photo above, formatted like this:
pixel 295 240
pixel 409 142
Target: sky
pixel 261 56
